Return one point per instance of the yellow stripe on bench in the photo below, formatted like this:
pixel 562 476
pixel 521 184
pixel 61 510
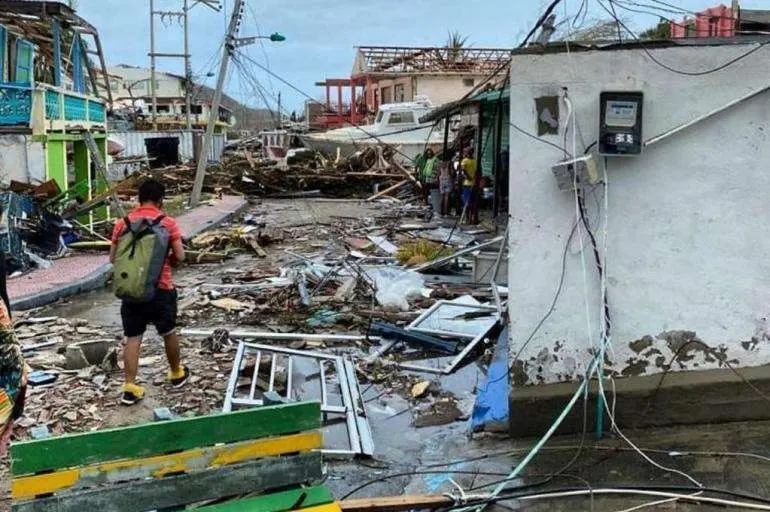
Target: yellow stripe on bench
pixel 329 507
pixel 163 465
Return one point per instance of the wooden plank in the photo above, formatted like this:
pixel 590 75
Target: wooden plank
pixel 278 502
pixel 387 190
pixel 162 465
pixel 140 496
pixel 396 503
pixel 162 437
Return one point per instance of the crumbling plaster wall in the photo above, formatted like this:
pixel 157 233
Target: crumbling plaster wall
pixel 688 221
pixel 21 159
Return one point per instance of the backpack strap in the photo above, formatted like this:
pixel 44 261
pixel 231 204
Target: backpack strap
pixel 126 223
pixel 158 220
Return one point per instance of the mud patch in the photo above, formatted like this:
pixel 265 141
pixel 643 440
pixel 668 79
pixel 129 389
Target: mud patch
pixel 640 345
pixel 518 374
pixel 635 367
pixel 684 344
pixel 442 412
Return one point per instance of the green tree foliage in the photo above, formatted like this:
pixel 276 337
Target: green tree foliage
pixel 661 31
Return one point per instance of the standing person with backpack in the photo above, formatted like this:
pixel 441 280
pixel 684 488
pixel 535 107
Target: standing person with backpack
pixel 144 245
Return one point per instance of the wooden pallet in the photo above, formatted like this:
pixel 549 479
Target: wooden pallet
pixel 179 462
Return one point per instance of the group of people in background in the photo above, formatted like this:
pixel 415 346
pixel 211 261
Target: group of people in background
pixel 455 179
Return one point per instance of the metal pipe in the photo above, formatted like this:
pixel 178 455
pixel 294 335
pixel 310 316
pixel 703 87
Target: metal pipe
pixel 496 269
pixel 441 261
pixel 673 131
pixel 233 382
pixel 280 335
pixel 322 368
pixel 271 386
pixel 254 377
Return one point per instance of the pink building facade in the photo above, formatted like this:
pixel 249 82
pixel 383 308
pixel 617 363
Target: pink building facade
pixel 719 21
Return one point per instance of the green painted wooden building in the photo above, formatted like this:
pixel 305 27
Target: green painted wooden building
pixel 53 89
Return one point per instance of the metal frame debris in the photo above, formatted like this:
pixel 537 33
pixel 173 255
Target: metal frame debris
pixel 292 336
pixel 473 337
pixel 351 407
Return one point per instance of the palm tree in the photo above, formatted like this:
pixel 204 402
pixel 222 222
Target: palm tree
pixel 455 43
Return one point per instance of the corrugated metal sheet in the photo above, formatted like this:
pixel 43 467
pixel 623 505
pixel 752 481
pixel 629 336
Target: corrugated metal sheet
pixel 135 147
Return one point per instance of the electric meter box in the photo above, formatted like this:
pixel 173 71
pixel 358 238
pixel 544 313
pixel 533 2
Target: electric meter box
pixel 620 124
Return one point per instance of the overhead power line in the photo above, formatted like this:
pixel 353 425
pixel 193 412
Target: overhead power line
pixel 671 68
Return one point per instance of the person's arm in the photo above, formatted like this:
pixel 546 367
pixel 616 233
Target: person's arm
pixel 177 246
pixel 177 251
pixel 115 237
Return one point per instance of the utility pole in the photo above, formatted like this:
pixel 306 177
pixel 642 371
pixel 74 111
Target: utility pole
pixel 229 46
pixel 280 119
pixel 187 65
pixel 184 16
pixel 232 41
pixel 152 67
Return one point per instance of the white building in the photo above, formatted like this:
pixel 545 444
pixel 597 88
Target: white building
pixel 687 238
pixel 131 88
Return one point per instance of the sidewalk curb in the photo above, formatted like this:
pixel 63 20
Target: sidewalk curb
pixel 98 278
pixel 218 220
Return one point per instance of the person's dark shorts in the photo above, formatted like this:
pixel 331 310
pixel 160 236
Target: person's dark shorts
pixel 466 194
pixel 160 312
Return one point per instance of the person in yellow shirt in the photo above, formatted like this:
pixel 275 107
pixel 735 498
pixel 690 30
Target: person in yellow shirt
pixel 468 171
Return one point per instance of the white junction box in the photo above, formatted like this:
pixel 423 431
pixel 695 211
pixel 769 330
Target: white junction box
pixel 586 168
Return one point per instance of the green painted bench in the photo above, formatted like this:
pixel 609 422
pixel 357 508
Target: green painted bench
pixel 175 463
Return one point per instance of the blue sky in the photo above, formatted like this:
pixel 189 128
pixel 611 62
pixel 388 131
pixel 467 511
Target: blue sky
pixel 321 34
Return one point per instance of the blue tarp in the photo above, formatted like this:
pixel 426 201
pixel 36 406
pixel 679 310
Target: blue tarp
pixel 490 412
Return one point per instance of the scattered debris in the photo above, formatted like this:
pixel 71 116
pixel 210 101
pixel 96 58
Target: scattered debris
pixel 420 388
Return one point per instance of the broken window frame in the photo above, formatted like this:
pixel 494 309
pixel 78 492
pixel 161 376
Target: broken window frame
pixel 359 430
pixel 474 339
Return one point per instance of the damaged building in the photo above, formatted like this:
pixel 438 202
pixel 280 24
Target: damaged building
pixel 53 91
pixel 394 74
pixel 636 205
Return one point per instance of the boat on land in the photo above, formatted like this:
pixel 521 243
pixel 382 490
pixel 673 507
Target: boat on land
pixel 397 125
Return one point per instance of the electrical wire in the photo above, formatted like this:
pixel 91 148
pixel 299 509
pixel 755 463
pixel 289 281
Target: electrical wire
pixel 539 139
pixel 296 89
pixel 617 25
pixel 252 80
pixel 262 45
pixel 672 69
pixel 749 502
pixel 582 10
pixel 671 453
pixel 414 473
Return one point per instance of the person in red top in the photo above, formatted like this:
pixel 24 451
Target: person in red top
pixel 162 309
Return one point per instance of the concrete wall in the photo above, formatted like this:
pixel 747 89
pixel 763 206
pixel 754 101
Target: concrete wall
pixel 439 89
pixel 21 159
pixel 390 84
pixel 443 89
pixel 687 232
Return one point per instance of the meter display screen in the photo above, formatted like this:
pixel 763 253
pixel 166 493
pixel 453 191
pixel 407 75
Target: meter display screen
pixel 620 113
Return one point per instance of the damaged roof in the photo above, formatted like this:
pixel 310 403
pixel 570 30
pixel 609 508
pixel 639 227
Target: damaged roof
pixel 396 60
pixel 31 20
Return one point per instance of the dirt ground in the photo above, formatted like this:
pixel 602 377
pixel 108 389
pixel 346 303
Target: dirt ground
pixel 407 459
